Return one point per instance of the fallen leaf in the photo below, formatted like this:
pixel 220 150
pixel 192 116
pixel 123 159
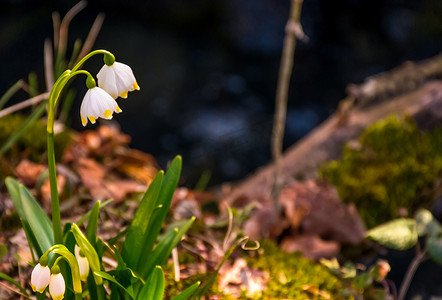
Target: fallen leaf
pixel 28 172
pixel 311 246
pixel 315 208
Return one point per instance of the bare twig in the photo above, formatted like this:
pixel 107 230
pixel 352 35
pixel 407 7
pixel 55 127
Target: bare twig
pixel 417 260
pixel 49 64
pixel 56 23
pixel 92 36
pixel 64 26
pixel 293 30
pixel 24 104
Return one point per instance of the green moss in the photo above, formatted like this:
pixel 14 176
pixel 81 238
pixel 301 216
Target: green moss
pixel 394 166
pixel 290 277
pixel 293 276
pixel 32 143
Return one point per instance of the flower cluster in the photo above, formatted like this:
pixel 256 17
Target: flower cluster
pixel 42 276
pixel 114 79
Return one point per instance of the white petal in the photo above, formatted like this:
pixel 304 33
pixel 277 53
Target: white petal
pixel 97 103
pixel 83 264
pixel 40 278
pixel 57 286
pixel 117 79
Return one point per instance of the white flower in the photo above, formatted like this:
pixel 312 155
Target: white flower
pixel 57 286
pixel 83 264
pixel 40 278
pixel 117 80
pixel 97 104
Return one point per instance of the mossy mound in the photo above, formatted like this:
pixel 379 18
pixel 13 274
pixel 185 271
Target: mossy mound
pixel 290 276
pixel 394 166
pixel 32 143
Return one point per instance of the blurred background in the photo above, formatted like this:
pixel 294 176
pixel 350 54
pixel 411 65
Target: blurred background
pixel 208 68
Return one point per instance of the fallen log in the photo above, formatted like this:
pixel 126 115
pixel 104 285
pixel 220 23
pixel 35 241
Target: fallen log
pixel 413 89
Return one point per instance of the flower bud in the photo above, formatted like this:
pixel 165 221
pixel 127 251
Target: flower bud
pixel 40 278
pixel 57 285
pixel 83 263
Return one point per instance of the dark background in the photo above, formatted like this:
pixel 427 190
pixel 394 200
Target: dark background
pixel 208 69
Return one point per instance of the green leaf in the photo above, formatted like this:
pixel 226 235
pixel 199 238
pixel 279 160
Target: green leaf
pixel 133 245
pixel 434 245
pixel 157 255
pixel 92 224
pixel 112 279
pixel 398 234
pixel 426 224
pixel 168 187
pixel 86 215
pixel 88 250
pixel 154 287
pixel 187 293
pixel 14 282
pixel 165 246
pixel 38 227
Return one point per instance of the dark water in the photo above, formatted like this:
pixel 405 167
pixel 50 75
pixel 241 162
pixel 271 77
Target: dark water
pixel 208 69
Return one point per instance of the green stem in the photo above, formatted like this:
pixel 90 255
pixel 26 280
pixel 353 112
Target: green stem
pixel 53 97
pixel 55 202
pixel 83 60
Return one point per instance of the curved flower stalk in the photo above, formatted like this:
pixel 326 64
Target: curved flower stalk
pixel 97 103
pixel 116 78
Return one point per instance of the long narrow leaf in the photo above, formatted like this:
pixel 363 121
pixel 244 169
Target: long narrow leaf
pixel 13 188
pixel 157 255
pixel 92 224
pixel 39 222
pixel 112 279
pixel 187 293
pixel 168 187
pixel 154 287
pixel 14 282
pixel 165 246
pixel 133 245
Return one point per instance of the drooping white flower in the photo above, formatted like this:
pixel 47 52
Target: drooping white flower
pixel 83 264
pixel 57 286
pixel 97 104
pixel 40 278
pixel 117 79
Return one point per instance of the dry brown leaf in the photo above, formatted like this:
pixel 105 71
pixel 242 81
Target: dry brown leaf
pixel 316 207
pixel 28 172
pixel 119 189
pixel 136 164
pixel 239 277
pixel 92 176
pixel 311 246
pixel 45 189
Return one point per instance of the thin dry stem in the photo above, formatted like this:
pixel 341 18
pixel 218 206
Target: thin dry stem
pixel 64 26
pixel 56 23
pixel 292 31
pixel 92 36
pixel 49 64
pixel 24 104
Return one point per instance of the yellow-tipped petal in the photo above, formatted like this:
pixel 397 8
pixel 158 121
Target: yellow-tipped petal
pixel 118 109
pixel 107 114
pixel 136 86
pixel 92 119
pixel 123 95
pixel 83 121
